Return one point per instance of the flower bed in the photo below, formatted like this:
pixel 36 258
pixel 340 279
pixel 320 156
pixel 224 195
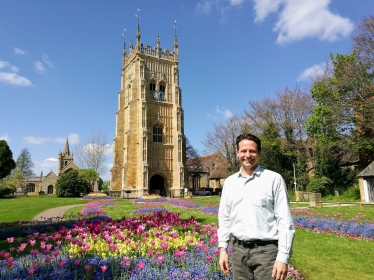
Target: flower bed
pixel 188 204
pixel 149 208
pixel 97 195
pixel 94 207
pixel 210 209
pixel 158 246
pixel 358 227
pixel 151 198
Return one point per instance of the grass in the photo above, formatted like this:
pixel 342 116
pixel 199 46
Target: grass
pixel 323 256
pixel 316 256
pixel 26 208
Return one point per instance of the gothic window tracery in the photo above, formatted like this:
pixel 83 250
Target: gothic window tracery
pixel 157 133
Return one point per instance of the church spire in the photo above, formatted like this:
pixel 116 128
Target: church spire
pixel 175 41
pixel 66 149
pixel 138 36
pixel 124 42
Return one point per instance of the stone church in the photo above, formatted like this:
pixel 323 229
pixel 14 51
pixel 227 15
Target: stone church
pixel 47 184
pixel 149 144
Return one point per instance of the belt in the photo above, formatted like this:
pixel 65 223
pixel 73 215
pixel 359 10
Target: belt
pixel 254 243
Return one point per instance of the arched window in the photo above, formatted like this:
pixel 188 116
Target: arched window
pixel 50 189
pixel 162 88
pixel 157 134
pixel 152 86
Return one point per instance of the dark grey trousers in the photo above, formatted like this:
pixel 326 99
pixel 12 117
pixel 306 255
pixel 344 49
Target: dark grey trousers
pixel 255 263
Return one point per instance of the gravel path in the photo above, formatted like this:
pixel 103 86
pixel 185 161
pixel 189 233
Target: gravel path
pixel 55 212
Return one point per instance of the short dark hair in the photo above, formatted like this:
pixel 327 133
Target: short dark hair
pixel 248 136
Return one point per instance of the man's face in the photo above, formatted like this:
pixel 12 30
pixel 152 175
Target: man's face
pixel 248 154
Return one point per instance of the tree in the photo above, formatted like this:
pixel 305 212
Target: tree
pixel 345 106
pixel 363 42
pixel 104 186
pixel 24 163
pixel 10 184
pixel 92 152
pixel 223 139
pixel 280 122
pixel 70 184
pixel 90 176
pixel 193 162
pixel 7 163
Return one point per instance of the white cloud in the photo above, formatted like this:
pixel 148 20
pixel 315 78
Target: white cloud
pixel 205 6
pixel 225 112
pixel 302 19
pixel 14 79
pixel 6 64
pixel 72 137
pixel 236 2
pixel 212 117
pixel 36 140
pixel 5 137
pixel 265 7
pixel 311 72
pixel 3 64
pixel 109 150
pixel 49 163
pixel 10 76
pixel 18 51
pixel 47 60
pixel 39 67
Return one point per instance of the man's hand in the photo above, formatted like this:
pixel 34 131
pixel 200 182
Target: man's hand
pixel 279 270
pixel 224 261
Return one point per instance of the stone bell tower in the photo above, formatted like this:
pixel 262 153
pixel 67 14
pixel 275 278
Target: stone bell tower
pixel 149 146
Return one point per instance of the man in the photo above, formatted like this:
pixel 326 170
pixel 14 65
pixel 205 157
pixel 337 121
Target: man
pixel 254 211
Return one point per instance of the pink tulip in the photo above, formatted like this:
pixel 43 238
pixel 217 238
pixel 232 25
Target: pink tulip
pixel 31 271
pixel 126 259
pixel 160 259
pixel 103 268
pixel 209 258
pixel 87 268
pixel 141 265
pixel 10 239
pixel 61 264
pixel 34 252
pixel 77 262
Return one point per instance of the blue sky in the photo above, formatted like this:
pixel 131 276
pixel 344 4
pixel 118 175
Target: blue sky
pixel 60 61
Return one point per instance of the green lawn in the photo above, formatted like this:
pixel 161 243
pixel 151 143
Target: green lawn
pixel 316 256
pixel 26 208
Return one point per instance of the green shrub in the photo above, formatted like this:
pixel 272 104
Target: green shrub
pixel 353 193
pixel 318 185
pixel 70 184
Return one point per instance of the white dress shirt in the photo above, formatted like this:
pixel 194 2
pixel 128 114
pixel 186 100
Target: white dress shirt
pixel 256 207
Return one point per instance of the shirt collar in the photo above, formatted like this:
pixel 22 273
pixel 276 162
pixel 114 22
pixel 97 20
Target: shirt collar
pixel 256 172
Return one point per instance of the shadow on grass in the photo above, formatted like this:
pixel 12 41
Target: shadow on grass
pixel 8 197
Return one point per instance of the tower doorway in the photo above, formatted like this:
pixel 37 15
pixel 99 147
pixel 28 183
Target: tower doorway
pixel 157 185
